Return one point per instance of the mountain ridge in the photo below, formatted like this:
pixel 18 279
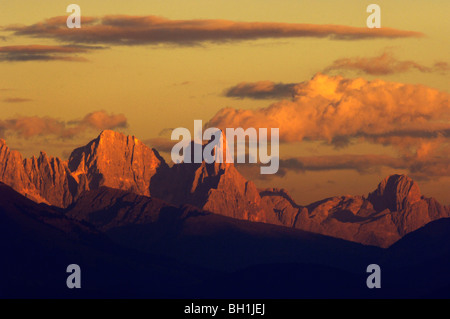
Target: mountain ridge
pixel 395 208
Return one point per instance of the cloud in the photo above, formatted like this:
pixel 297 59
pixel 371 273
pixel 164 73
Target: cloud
pixel 413 119
pixel 23 53
pixel 30 126
pixel 433 165
pixel 380 65
pixel 430 160
pixel 102 121
pixel 144 30
pixel 261 90
pixel 166 132
pixel 333 108
pixel 161 144
pixel 441 66
pixel 365 163
pixel 16 100
pixel 384 64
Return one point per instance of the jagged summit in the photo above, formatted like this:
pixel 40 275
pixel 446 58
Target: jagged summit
pixel 115 160
pixel 391 211
pixel 395 192
pixel 217 187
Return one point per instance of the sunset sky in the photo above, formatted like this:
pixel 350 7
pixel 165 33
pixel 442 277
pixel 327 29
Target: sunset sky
pixel 353 104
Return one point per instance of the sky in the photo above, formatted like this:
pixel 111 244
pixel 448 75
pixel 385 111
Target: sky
pixel 353 104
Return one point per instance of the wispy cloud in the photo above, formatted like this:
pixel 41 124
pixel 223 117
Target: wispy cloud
pixel 383 64
pixel 162 144
pixel 429 161
pixel 16 100
pixel 365 163
pixel 23 53
pixel 144 30
pixel 29 126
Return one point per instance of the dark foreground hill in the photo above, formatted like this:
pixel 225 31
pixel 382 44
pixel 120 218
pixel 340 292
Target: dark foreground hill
pixel 39 242
pixel 134 246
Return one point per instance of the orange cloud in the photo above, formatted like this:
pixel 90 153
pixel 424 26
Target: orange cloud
pixel 333 108
pixel 29 126
pixel 102 121
pixel 139 30
pixel 384 64
pixel 414 119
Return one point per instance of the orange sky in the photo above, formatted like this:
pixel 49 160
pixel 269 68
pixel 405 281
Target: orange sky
pixel 155 65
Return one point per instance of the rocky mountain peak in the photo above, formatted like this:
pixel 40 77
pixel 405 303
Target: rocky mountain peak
pixel 117 161
pixel 395 193
pixel 11 169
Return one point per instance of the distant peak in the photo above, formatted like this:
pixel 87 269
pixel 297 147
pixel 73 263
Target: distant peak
pixel 395 192
pixel 399 181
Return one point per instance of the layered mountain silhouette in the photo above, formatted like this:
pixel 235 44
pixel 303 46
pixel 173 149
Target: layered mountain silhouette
pixel 116 161
pixel 38 242
pixel 130 245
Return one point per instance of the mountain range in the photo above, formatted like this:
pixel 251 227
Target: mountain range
pixel 139 228
pixel 113 160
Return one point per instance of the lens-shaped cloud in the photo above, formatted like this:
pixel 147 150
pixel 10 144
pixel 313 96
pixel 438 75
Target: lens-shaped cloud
pixel 144 30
